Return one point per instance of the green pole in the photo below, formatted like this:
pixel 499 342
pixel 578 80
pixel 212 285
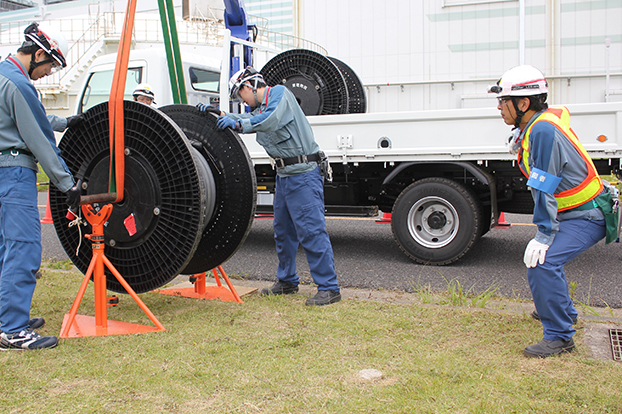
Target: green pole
pixel 177 55
pixel 169 53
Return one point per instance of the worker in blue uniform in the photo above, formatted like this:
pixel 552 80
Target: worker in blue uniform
pixel 565 187
pixel 286 135
pixel 26 138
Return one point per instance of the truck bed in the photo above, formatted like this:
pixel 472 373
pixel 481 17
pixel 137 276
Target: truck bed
pixel 477 134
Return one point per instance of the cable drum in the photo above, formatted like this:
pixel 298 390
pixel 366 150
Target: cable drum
pixel 315 81
pixel 357 103
pixel 322 85
pixel 235 181
pixel 153 233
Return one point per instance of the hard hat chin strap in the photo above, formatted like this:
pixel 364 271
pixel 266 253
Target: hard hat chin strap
pixel 519 113
pixel 257 104
pixel 34 64
pixel 254 89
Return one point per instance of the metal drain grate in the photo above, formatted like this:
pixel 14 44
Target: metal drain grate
pixel 616 343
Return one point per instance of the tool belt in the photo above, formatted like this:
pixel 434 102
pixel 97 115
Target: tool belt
pixel 608 202
pixel 15 152
pixel 300 159
pixel 610 210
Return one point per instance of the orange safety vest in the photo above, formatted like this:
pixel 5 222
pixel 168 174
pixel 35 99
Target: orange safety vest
pixel 590 187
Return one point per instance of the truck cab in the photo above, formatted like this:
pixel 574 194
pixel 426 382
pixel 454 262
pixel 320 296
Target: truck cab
pixel 201 75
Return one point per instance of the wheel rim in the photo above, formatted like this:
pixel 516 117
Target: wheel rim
pixel 433 222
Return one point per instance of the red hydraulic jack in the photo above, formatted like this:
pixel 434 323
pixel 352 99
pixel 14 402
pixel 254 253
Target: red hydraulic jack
pixel 76 326
pixel 202 291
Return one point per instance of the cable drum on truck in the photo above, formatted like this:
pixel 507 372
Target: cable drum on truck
pixel 322 85
pixel 357 103
pixel 436 221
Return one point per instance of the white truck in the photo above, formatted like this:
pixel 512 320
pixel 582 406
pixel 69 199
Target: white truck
pixel 202 76
pixel 444 175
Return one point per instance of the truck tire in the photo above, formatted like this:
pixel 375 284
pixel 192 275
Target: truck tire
pixel 436 221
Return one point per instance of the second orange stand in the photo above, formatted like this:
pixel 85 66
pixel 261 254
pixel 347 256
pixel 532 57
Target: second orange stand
pixel 202 291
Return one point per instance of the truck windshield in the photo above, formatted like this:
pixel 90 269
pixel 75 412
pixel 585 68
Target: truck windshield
pixel 97 88
pixel 204 80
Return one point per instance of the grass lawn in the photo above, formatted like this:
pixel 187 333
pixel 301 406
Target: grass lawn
pixel 275 355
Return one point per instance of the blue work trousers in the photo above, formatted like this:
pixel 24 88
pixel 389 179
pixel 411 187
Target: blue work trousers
pixel 547 281
pixel 20 246
pixel 299 220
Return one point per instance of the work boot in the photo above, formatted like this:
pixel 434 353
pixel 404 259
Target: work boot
pixel 27 339
pixel 535 315
pixel 546 348
pixel 280 288
pixel 324 297
pixel 36 323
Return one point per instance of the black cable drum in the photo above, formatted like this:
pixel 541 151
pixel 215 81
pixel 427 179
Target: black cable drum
pixel 166 196
pixel 357 103
pixel 315 81
pixel 322 85
pixel 236 186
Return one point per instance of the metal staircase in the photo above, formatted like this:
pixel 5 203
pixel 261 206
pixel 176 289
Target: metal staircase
pixel 92 36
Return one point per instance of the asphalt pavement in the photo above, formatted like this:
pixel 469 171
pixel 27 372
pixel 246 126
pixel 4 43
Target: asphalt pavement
pixel 366 256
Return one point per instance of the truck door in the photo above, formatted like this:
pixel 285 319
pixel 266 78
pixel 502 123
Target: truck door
pixel 97 88
pixel 204 83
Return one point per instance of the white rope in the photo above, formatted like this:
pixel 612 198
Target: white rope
pixel 76 222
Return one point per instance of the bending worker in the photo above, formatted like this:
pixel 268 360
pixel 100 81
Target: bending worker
pixel 566 190
pixel 25 137
pixel 286 135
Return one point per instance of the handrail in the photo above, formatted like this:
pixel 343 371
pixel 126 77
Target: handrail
pixel 106 27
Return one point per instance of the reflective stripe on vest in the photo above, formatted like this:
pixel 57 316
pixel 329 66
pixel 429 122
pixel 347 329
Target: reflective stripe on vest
pixel 590 187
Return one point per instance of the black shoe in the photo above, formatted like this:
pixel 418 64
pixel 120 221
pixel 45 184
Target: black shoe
pixel 280 288
pixel 546 348
pixel 36 323
pixel 535 315
pixel 324 297
pixel 27 339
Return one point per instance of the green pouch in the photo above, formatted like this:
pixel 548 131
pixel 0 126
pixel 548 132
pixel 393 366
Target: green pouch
pixel 605 203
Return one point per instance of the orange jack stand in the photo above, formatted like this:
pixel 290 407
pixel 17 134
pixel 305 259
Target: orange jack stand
pixel 201 291
pixel 76 326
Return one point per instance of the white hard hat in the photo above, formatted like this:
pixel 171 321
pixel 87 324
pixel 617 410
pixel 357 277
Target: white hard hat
pixel 143 89
pixel 242 76
pixel 524 80
pixel 50 40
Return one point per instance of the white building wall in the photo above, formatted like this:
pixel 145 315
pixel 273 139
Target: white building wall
pixel 404 41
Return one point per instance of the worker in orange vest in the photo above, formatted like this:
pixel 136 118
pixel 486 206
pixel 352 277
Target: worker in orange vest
pixel 565 187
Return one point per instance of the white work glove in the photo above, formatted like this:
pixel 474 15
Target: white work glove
pixel 513 141
pixel 535 253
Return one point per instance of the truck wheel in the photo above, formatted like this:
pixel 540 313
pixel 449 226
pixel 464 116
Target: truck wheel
pixel 436 221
